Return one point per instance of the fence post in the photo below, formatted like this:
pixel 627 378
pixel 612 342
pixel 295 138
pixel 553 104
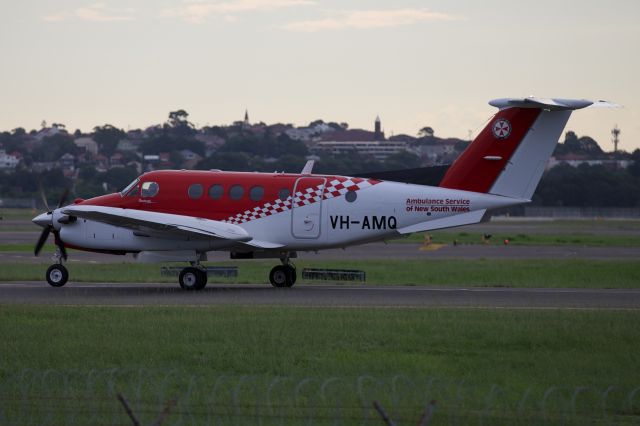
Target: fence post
pixel 383 414
pixel 124 403
pixel 428 413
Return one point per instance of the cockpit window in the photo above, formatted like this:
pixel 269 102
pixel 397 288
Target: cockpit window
pixel 134 192
pixel 128 187
pixel 149 189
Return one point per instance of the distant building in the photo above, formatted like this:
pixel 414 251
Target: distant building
pixel 125 145
pixel 575 160
pixel 378 135
pixel 245 122
pixel 380 150
pixel 68 164
pixel 432 153
pixel 8 162
pixel 366 143
pixel 87 144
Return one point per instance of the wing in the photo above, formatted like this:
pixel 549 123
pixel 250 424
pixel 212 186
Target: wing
pixel 160 224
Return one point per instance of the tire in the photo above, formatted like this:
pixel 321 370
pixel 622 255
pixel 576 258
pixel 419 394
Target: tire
pixel 192 279
pixel 282 276
pixel 57 275
pixel 292 276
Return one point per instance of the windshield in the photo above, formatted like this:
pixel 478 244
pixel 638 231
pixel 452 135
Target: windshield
pixel 128 188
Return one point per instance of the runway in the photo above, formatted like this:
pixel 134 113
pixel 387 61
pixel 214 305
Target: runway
pixel 399 297
pixel 376 251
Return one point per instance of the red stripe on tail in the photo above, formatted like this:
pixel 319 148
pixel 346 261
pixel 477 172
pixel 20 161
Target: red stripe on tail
pixel 481 163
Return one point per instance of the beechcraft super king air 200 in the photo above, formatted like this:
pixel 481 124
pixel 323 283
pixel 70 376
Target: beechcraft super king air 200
pixel 179 216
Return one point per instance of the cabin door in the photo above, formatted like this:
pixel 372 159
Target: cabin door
pixel 306 208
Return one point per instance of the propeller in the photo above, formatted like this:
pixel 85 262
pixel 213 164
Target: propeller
pixel 46 221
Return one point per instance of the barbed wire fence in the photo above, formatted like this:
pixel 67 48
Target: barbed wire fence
pixel 145 397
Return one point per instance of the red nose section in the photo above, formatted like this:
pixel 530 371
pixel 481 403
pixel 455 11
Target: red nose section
pixel 109 200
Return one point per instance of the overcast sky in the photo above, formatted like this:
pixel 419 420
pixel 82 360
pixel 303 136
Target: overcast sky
pixel 414 63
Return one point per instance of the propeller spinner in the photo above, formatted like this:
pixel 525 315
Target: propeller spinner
pixel 45 220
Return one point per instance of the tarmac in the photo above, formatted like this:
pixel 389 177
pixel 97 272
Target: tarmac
pixel 398 297
pixel 375 251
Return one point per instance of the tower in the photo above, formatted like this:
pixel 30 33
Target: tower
pixel 377 135
pixel 615 132
pixel 246 117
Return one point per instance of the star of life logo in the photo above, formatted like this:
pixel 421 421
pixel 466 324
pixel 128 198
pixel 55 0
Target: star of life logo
pixel 501 129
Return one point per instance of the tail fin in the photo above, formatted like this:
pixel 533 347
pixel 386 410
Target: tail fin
pixel 509 155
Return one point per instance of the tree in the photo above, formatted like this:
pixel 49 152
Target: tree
pixel 107 138
pixel 179 124
pixel 402 160
pixel 426 132
pixel 634 167
pixel 55 146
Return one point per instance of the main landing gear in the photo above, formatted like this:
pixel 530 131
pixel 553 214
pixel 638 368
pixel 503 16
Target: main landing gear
pixel 193 277
pixel 283 275
pixel 57 274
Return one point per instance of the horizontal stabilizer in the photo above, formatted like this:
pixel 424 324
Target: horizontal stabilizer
pixel 445 222
pixel 550 104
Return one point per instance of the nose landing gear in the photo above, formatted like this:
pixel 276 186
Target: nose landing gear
pixel 57 275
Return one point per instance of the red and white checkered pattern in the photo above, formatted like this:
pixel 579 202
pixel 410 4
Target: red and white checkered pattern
pixel 335 188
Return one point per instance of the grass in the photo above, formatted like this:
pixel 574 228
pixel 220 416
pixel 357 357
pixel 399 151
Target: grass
pixel 17 214
pixel 534 239
pixel 551 273
pixel 514 349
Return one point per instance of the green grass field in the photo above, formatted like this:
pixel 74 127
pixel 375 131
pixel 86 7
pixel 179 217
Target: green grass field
pixel 531 239
pixel 519 351
pixel 571 273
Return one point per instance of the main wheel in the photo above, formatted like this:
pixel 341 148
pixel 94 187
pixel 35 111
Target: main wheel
pixel 57 275
pixel 282 276
pixel 192 279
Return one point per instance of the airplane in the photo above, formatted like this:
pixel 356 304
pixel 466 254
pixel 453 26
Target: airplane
pixel 180 215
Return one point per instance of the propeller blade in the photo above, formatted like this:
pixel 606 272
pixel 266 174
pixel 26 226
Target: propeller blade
pixel 43 239
pixel 63 250
pixel 63 198
pixel 44 199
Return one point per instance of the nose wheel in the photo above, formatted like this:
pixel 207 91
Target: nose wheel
pixel 57 275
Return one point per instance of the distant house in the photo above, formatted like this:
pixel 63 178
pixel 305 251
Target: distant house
pixel 211 142
pixel 67 162
pixel 303 134
pixel 434 152
pixel 8 162
pixel 43 166
pixel 125 145
pixel 102 163
pixel 48 131
pixel 116 160
pixel 87 144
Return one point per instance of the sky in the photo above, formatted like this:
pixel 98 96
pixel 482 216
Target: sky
pixel 414 63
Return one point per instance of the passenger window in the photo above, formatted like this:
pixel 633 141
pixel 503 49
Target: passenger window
pixel 149 189
pixel 256 193
pixel 216 191
pixel 195 191
pixel 351 196
pixel 283 194
pixel 236 192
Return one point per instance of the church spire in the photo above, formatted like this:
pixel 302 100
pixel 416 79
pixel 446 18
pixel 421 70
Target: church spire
pixel 246 117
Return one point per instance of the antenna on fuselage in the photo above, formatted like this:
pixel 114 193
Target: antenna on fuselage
pixel 308 168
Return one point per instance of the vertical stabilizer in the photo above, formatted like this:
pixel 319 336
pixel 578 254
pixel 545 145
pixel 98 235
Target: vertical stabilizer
pixel 509 155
